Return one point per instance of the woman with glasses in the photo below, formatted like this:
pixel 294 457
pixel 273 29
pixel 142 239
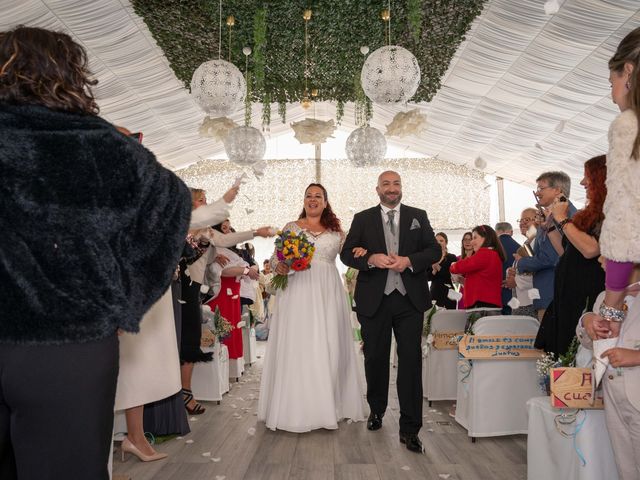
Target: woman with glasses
pixel 521 283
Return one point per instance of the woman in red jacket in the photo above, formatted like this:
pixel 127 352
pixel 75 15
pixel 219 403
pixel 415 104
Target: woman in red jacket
pixel 482 270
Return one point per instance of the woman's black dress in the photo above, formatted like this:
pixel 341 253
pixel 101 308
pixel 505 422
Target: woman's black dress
pixel 441 283
pixel 578 281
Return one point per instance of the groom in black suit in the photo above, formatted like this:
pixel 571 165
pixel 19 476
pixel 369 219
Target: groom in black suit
pixel 392 295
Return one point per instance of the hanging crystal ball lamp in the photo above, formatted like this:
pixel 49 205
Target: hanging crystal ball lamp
pixel 366 146
pixel 391 74
pixel 218 87
pixel 245 146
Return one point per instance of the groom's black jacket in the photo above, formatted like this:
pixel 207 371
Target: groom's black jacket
pixel 416 242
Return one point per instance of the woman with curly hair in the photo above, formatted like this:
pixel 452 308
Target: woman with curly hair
pixel 93 228
pixel 310 378
pixel 578 275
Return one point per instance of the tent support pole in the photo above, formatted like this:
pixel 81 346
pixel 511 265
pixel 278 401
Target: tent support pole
pixel 500 185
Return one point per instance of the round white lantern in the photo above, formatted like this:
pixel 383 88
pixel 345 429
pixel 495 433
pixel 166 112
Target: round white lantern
pixel 245 146
pixel 390 75
pixel 366 146
pixel 218 87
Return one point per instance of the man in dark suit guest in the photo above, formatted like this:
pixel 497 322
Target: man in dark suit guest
pixel 510 246
pixel 392 295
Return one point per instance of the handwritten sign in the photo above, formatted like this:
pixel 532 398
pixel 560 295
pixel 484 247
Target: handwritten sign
pixel 497 347
pixel 571 388
pixel 446 340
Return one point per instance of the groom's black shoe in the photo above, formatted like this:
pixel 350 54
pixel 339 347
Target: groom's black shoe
pixel 375 421
pixel 412 442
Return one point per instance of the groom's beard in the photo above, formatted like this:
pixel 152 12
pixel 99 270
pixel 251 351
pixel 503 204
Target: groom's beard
pixel 390 202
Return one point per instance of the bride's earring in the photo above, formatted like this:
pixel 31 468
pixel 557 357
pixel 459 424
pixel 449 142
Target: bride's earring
pixel 628 85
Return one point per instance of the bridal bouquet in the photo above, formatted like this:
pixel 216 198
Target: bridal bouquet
pixel 296 251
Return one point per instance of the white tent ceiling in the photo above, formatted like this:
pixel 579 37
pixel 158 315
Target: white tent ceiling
pixel 526 91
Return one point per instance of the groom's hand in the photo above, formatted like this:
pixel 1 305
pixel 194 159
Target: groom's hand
pixel 380 260
pixel 399 264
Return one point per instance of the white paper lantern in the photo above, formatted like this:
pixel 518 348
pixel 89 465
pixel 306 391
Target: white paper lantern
pixel 218 87
pixel 245 146
pixel 390 75
pixel 366 146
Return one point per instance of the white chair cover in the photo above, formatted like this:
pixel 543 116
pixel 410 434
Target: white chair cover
pixel 492 394
pixel 249 346
pixel 551 455
pixel 211 379
pixel 439 367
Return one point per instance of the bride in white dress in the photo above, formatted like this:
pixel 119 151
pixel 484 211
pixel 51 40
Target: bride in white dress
pixel 310 378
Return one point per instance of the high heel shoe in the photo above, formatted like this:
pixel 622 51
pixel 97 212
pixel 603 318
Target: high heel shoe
pixel 197 409
pixel 128 447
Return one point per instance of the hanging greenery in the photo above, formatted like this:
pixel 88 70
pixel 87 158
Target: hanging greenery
pixel 363 108
pixel 266 112
pixel 339 112
pixel 282 111
pixel 187 31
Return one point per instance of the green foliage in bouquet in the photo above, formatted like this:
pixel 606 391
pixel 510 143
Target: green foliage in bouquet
pixel 472 318
pixel 221 327
pixel 569 358
pixel 428 315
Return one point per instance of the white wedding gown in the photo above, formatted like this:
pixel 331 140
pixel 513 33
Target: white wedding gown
pixel 310 378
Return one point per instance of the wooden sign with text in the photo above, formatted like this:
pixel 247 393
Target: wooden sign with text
pixel 571 388
pixel 446 340
pixel 498 347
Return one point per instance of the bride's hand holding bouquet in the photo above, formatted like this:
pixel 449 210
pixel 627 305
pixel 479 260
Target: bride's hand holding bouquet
pixel 294 252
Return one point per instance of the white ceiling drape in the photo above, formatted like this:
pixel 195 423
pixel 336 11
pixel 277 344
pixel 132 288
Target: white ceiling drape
pixel 527 92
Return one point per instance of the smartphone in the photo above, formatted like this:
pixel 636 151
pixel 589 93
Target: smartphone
pixel 137 136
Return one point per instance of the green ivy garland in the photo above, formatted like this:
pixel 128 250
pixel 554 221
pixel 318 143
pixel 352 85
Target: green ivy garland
pixel 414 16
pixel 259 46
pixel 187 32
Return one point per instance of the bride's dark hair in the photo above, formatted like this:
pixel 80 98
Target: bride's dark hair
pixel 328 219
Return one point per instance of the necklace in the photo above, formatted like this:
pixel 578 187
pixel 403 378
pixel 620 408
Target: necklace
pixel 313 233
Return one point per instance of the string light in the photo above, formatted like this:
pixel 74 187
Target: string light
pixel 454 196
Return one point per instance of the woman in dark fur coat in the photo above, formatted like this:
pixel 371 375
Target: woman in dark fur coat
pixel 93 227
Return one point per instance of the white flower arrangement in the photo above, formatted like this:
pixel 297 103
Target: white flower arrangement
pixel 545 363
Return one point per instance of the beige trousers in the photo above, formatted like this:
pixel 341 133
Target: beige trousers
pixel 623 423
